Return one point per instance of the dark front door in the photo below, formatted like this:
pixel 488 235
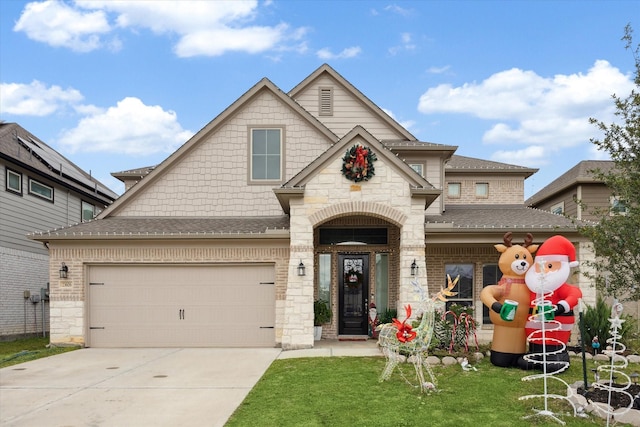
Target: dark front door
pixel 354 292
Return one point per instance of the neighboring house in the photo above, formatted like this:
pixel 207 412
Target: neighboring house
pixel 230 240
pixel 576 193
pixel 40 190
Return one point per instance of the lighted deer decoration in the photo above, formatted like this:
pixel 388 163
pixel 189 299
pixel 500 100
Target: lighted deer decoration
pixel 400 339
pixel 508 301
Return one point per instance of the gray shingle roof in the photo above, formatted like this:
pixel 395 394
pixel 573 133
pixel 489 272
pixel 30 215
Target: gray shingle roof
pixel 472 164
pixel 498 217
pixel 579 174
pixel 164 227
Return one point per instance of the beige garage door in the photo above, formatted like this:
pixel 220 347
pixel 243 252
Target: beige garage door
pixel 181 306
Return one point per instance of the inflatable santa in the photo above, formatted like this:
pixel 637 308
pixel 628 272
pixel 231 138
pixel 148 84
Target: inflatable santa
pixel 552 301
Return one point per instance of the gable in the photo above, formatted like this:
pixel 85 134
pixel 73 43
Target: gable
pixel 340 106
pixel 208 176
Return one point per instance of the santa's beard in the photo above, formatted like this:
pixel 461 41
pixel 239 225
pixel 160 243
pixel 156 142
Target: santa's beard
pixel 543 283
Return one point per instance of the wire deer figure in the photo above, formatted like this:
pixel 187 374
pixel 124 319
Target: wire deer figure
pixel 399 339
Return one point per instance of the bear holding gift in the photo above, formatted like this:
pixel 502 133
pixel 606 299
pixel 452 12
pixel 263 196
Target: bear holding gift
pixel 552 301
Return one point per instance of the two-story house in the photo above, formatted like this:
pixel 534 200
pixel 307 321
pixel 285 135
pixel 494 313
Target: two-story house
pixel 41 189
pixel 284 198
pixel 577 193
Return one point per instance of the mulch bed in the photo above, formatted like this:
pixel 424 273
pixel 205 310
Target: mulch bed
pixel 618 400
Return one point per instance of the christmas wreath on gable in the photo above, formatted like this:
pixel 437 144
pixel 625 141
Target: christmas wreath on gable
pixel 357 163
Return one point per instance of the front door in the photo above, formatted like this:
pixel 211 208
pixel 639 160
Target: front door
pixel 354 292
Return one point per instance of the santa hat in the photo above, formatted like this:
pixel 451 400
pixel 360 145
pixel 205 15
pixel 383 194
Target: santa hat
pixel 558 248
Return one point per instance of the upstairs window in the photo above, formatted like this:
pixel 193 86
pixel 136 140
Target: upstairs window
pixel 266 154
pixel 482 190
pixel 88 211
pixel 41 190
pixel 325 101
pixel 14 181
pixel 418 167
pixel 618 207
pixel 453 190
pixel 558 208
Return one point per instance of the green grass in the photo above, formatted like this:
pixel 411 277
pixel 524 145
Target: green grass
pixel 24 350
pixel 345 391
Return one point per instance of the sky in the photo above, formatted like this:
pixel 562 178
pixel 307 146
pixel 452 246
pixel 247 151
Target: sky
pixel 117 85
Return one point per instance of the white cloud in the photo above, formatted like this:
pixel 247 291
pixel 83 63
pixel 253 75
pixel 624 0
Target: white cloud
pixel 131 127
pixel 407 124
pixel 534 155
pixel 350 52
pixel 208 28
pixel 407 44
pixel 529 109
pixel 36 99
pixel 59 25
pixel 438 70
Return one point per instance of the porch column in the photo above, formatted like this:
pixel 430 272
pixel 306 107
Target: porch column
pixel 412 247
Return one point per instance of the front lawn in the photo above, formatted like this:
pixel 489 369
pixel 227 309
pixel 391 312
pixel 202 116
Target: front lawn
pixel 345 391
pixel 24 350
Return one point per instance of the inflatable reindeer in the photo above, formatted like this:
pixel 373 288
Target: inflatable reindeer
pixel 508 302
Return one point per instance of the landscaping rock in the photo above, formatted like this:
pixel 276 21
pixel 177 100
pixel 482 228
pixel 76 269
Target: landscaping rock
pixel 449 360
pixel 478 356
pixel 433 360
pixel 601 357
pixel 633 358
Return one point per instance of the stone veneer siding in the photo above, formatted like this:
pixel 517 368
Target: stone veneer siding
pixel 68 296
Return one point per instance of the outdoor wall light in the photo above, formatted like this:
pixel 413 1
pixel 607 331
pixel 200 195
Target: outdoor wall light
pixel 414 268
pixel 64 270
pixel 301 269
pixel 634 378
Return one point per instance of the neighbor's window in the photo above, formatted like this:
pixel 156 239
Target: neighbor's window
pixel 324 277
pixel 41 190
pixel 482 190
pixel 418 167
pixel 491 275
pixel 558 208
pixel 453 190
pixel 88 211
pixel 266 154
pixel 465 284
pixel 618 207
pixel 14 181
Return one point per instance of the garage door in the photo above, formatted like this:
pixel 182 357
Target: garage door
pixel 181 306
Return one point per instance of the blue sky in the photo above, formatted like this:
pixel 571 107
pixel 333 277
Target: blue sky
pixel 118 85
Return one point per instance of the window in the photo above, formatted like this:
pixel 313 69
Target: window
pixel 558 208
pixel 618 207
pixel 88 211
pixel 382 283
pixel 266 155
pixel 453 190
pixel 14 181
pixel 482 190
pixel 491 275
pixel 465 284
pixel 326 101
pixel 418 167
pixel 41 190
pixel 324 277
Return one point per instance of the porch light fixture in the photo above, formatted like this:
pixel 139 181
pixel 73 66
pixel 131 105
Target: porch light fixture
pixel 414 268
pixel 634 378
pixel 301 269
pixel 64 270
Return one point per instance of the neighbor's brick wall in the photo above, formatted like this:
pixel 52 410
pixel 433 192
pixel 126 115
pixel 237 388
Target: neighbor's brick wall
pixel 68 322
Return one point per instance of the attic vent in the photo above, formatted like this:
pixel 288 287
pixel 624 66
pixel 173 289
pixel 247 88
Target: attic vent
pixel 326 101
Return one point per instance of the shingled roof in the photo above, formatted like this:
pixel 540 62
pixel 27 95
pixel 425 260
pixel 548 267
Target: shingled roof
pixel 498 218
pixel 579 174
pixel 164 227
pixel 462 164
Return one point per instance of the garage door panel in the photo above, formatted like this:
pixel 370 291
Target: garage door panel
pixel 181 306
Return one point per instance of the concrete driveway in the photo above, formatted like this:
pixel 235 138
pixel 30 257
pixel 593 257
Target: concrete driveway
pixel 131 387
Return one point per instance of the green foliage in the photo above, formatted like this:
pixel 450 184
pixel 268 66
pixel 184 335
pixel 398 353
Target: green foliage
pixel 615 236
pixel 321 312
pixel 388 316
pixel 460 318
pixel 596 322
